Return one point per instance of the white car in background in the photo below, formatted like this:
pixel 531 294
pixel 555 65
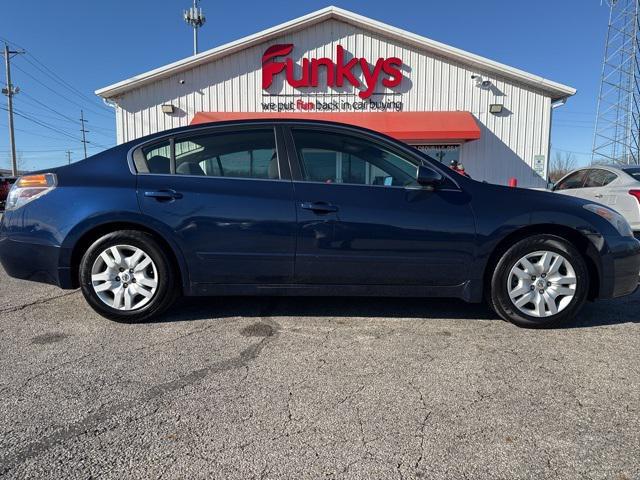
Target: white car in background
pixel 617 188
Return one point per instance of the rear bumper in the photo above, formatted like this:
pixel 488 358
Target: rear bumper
pixel 620 268
pixel 35 262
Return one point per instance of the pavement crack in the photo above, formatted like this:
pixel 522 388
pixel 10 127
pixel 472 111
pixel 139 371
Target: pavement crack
pixel 90 422
pixel 423 424
pixel 18 308
pixel 47 371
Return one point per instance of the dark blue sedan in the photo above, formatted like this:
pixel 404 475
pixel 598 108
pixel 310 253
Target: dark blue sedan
pixel 294 207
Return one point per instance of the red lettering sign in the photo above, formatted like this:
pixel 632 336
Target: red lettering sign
pixel 276 60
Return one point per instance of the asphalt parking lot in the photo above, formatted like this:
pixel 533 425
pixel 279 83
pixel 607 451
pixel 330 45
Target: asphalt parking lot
pixel 314 388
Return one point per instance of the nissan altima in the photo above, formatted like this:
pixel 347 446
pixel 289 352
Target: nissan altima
pixel 298 207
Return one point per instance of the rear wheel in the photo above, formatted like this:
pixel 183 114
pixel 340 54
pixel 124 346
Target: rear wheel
pixel 126 276
pixel 539 282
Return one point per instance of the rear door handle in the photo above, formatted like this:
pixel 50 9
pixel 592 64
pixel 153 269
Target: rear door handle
pixel 163 195
pixel 319 207
pixel 598 195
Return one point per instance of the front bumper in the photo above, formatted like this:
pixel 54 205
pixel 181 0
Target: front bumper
pixel 620 267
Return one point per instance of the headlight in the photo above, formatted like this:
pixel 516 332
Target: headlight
pixel 28 188
pixel 613 217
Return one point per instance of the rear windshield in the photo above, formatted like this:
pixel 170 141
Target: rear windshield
pixel 634 172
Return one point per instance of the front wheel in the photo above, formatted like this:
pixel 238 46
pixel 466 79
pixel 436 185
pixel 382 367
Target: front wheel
pixel 126 276
pixel 539 282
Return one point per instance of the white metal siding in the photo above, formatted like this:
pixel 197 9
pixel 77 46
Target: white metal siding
pixel 233 84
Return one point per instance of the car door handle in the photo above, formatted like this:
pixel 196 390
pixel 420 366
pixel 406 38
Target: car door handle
pixel 163 195
pixel 319 207
pixel 598 195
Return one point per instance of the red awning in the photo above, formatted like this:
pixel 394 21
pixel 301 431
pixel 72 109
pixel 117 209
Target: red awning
pixel 406 126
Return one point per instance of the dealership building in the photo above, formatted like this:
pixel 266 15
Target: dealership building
pixel 334 64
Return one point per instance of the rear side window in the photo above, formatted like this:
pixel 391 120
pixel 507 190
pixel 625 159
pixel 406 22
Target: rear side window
pixel 157 158
pixel 244 154
pixel 598 177
pixel 241 154
pixel 575 180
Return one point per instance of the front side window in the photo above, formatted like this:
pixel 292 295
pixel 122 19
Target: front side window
pixel 243 154
pixel 338 158
pixel 575 180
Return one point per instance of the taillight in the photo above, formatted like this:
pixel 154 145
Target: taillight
pixel 28 188
pixel 635 193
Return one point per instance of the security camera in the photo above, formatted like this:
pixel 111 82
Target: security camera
pixel 181 81
pixel 484 84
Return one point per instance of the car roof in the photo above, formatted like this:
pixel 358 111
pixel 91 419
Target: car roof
pixel 610 168
pixel 260 122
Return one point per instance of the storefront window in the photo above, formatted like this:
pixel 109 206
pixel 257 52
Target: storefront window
pixel 443 153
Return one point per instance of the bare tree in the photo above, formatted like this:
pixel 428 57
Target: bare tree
pixel 561 164
pixel 21 162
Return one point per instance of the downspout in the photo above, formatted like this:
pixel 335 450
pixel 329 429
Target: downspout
pixel 558 103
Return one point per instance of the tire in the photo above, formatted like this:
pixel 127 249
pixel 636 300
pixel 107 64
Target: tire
pixel 139 293
pixel 534 307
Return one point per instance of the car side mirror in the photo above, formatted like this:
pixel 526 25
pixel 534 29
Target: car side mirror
pixel 428 177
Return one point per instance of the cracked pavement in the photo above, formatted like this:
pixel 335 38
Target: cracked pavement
pixel 298 388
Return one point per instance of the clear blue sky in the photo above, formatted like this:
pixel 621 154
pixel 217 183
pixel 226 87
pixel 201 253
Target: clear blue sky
pixel 93 44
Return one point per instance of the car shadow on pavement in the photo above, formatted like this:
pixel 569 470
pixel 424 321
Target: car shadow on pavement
pixel 200 308
pixel 601 313
pixel 607 312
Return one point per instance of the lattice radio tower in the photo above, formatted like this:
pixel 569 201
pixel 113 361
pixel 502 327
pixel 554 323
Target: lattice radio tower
pixel 617 133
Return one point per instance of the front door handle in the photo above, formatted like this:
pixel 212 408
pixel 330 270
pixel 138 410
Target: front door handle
pixel 598 195
pixel 319 207
pixel 163 195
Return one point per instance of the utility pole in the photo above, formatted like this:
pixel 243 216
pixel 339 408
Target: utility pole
pixel 69 157
pixel 10 91
pixel 84 132
pixel 196 19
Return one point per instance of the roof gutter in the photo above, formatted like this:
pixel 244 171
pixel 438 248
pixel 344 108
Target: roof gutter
pixel 554 89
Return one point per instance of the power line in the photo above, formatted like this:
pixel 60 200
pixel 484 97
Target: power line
pixel 48 107
pixel 65 117
pixel 569 151
pixel 37 134
pixel 57 78
pixel 42 67
pixel 40 115
pixel 51 150
pixel 40 122
pixel 53 128
pixel 57 130
pixel 51 117
pixel 95 112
